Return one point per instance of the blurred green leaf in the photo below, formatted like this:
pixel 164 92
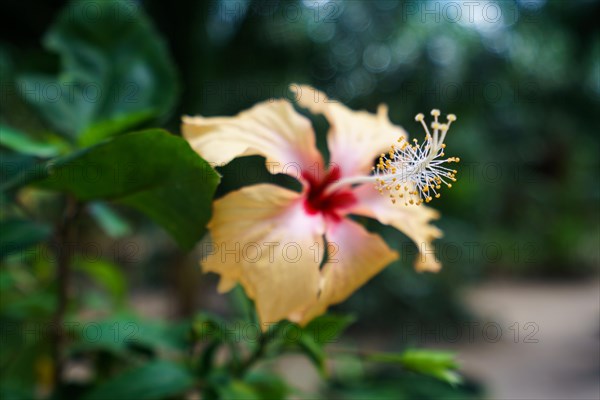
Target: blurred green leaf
pixel 23 357
pixel 20 142
pixel 125 332
pixel 38 305
pixel 439 364
pixel 106 274
pixel 9 393
pixel 267 385
pixel 328 328
pixel 152 171
pixel 238 390
pixel 387 384
pixel 314 351
pixel 226 388
pixel 114 126
pixel 114 63
pixel 17 235
pixel 207 326
pixel 288 336
pixel 243 305
pixel 14 165
pixel 155 380
pixel 110 222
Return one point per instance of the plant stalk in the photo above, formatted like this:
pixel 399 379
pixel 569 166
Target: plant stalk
pixel 63 238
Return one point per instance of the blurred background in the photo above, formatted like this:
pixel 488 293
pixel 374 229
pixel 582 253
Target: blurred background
pixel 519 294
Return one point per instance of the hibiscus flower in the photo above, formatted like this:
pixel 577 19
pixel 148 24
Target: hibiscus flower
pixel 296 253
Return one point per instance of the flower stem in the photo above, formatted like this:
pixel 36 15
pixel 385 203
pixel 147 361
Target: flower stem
pixel 255 356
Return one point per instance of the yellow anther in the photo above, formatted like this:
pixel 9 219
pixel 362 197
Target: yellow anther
pixel 409 167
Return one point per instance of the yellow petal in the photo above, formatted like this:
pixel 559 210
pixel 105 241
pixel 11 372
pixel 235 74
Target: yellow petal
pixel 272 129
pixel 355 138
pixel 413 221
pixel 263 238
pixel 355 256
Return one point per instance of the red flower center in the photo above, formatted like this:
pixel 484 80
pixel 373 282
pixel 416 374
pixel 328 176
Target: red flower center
pixel 330 204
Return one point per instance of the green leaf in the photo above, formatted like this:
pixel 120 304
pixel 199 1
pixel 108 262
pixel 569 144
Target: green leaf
pixel 314 351
pixel 111 127
pixel 232 389
pixel 243 305
pixel 110 222
pixel 156 380
pixel 40 304
pixel 328 328
pixel 113 63
pixel 424 359
pixel 288 336
pixel 152 171
pixel 9 393
pixel 210 327
pixel 123 332
pixel 17 235
pixel 14 167
pixel 106 274
pixel 20 142
pixel 267 385
pixel 439 364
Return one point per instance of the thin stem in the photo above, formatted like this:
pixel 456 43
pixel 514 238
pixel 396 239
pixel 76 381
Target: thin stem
pixel 257 355
pixel 64 233
pixel 366 355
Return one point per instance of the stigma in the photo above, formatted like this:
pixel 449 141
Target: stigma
pixel 413 173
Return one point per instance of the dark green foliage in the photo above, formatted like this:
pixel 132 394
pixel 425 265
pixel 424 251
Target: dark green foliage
pixel 82 119
pixel 115 70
